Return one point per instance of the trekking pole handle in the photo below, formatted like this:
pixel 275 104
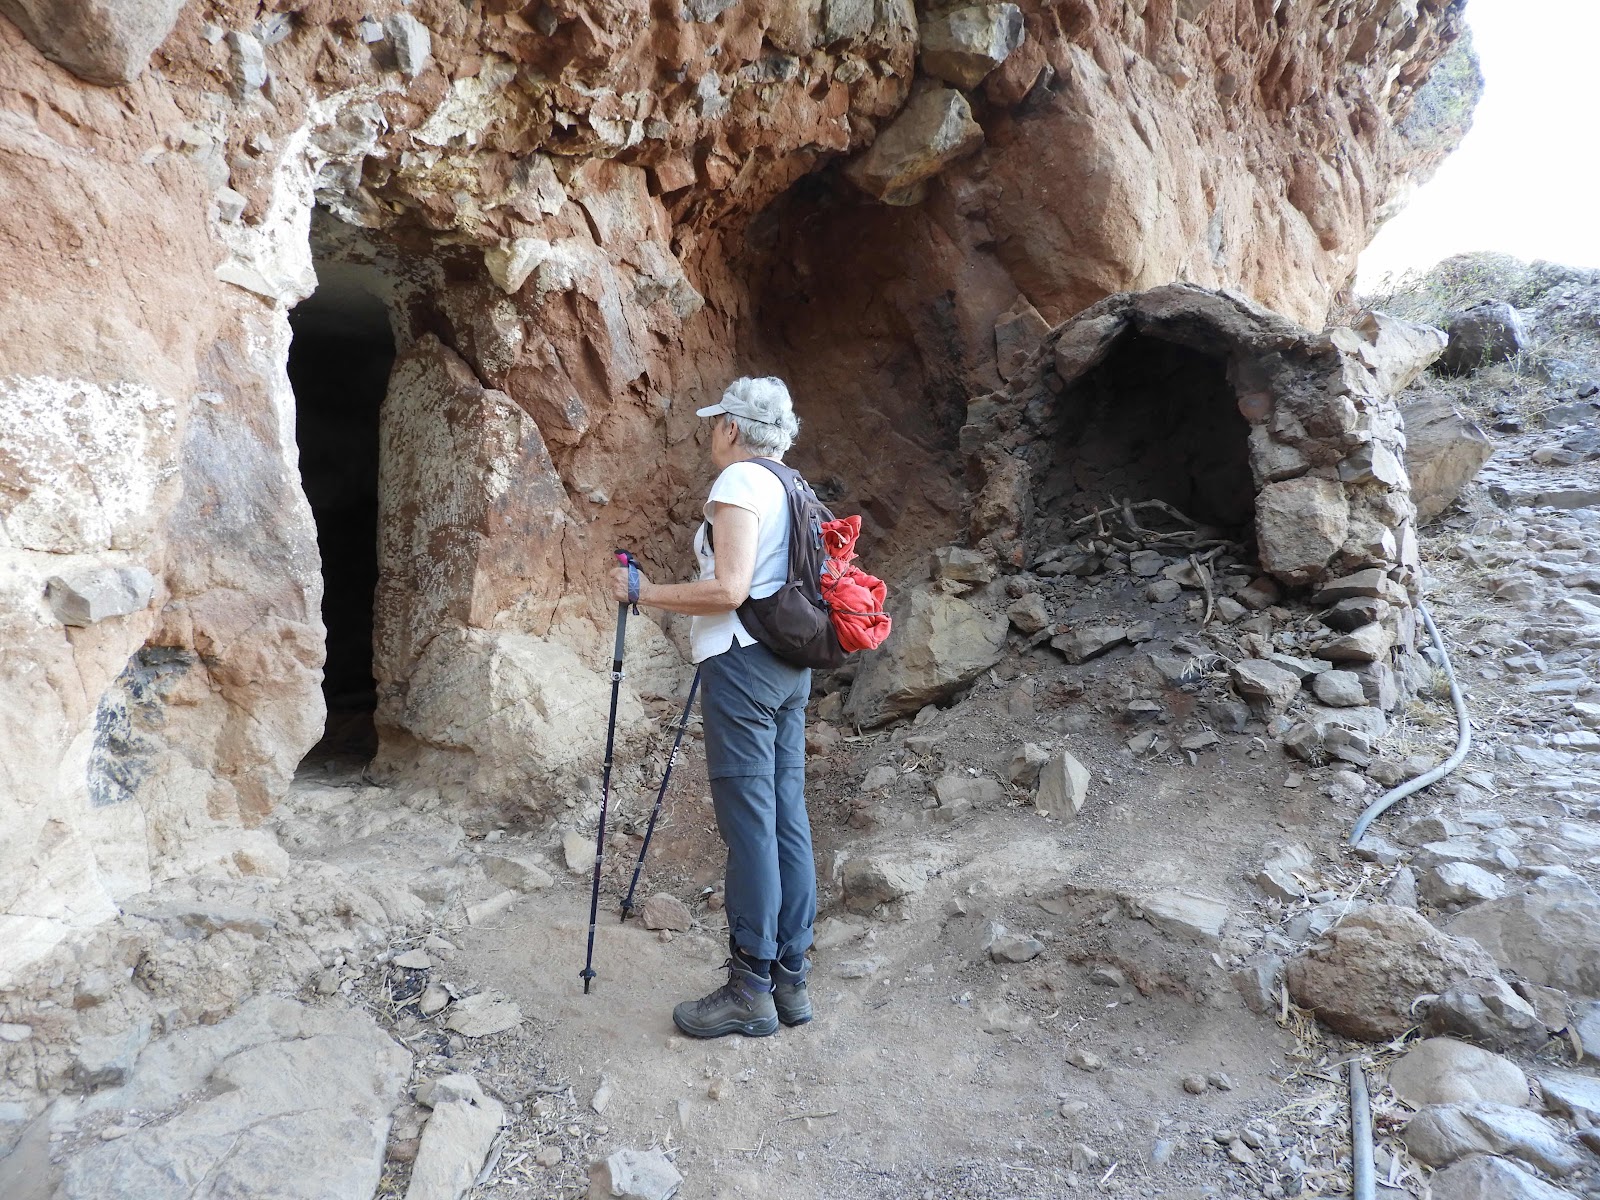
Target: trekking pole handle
pixel 627 560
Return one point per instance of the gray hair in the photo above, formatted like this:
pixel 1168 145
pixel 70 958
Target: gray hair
pixel 771 428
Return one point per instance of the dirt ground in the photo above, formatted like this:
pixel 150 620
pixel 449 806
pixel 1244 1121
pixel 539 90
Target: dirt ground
pixel 930 1070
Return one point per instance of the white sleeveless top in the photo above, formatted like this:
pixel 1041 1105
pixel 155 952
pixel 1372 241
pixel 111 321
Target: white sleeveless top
pixel 752 487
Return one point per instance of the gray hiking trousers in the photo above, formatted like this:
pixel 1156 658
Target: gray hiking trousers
pixel 753 705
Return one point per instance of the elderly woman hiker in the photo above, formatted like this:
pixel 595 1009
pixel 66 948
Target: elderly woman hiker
pixel 753 711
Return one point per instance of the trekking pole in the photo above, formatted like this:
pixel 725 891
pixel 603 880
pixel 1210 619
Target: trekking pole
pixel 626 559
pixel 655 813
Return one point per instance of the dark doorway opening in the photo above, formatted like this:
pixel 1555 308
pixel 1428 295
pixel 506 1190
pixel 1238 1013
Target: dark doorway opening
pixel 1155 421
pixel 339 364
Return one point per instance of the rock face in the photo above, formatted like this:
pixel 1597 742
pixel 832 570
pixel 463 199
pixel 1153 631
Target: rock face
pixel 1444 450
pixel 274 1086
pixel 940 643
pixel 1362 978
pixel 575 228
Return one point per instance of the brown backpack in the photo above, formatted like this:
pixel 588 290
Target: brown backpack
pixel 793 622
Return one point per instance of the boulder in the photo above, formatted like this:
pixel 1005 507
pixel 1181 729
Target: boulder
pixel 456 1139
pixel 1003 946
pixel 634 1175
pixel 1018 333
pixel 1063 786
pixel 1395 351
pixel 666 911
pixel 1339 689
pixel 873 879
pixel 1026 762
pixel 962 45
pixel 940 643
pixel 1370 643
pixel 1549 933
pixel 85 595
pixel 1083 642
pixel 1488 1012
pixel 1184 915
pixel 1455 884
pixel 1443 1133
pixel 523 872
pixel 932 131
pixel 1363 977
pixel 482 1014
pixel 1570 1094
pixel 511 708
pixel 108 42
pixel 1300 525
pixel 961 565
pixel 1486 333
pixel 257 1097
pixel 1028 613
pixel 1444 452
pixel 411 41
pixel 1370 583
pixel 1268 687
pixel 1445 1071
pixel 1483 1177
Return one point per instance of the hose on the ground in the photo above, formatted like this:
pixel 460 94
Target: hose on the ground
pixel 1360 1110
pixel 1463 742
pixel 1361 1135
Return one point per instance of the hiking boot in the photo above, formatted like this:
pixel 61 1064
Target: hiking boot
pixel 742 1005
pixel 789 995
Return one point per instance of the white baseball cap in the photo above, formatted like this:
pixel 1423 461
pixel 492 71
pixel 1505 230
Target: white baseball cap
pixel 762 400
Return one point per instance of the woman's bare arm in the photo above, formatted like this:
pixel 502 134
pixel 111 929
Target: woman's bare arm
pixel 735 531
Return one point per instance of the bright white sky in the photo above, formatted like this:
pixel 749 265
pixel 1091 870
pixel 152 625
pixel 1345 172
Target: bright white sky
pixel 1526 179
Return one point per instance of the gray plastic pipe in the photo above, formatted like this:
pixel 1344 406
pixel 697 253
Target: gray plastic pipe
pixel 1463 743
pixel 1361 1135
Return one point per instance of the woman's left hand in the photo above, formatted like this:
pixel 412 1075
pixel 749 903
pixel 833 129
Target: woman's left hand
pixel 619 584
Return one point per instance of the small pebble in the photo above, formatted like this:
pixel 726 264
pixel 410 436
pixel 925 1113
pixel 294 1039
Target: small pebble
pixel 1220 1081
pixel 1084 1060
pixel 1194 1084
pixel 547 1156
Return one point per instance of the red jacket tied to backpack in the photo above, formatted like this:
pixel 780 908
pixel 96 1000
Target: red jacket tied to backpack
pixel 854 598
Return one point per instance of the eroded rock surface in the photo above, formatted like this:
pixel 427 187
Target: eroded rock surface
pixel 580 225
pixel 274 1087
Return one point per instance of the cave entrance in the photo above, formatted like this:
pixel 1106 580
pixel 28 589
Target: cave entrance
pixel 339 363
pixel 1154 421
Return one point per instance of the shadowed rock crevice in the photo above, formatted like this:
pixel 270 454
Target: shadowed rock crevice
pixel 339 365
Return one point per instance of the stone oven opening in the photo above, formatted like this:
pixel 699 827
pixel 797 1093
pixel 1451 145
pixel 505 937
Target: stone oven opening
pixel 339 363
pixel 1153 421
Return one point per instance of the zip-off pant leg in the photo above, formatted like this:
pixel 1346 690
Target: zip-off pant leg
pixel 753 706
